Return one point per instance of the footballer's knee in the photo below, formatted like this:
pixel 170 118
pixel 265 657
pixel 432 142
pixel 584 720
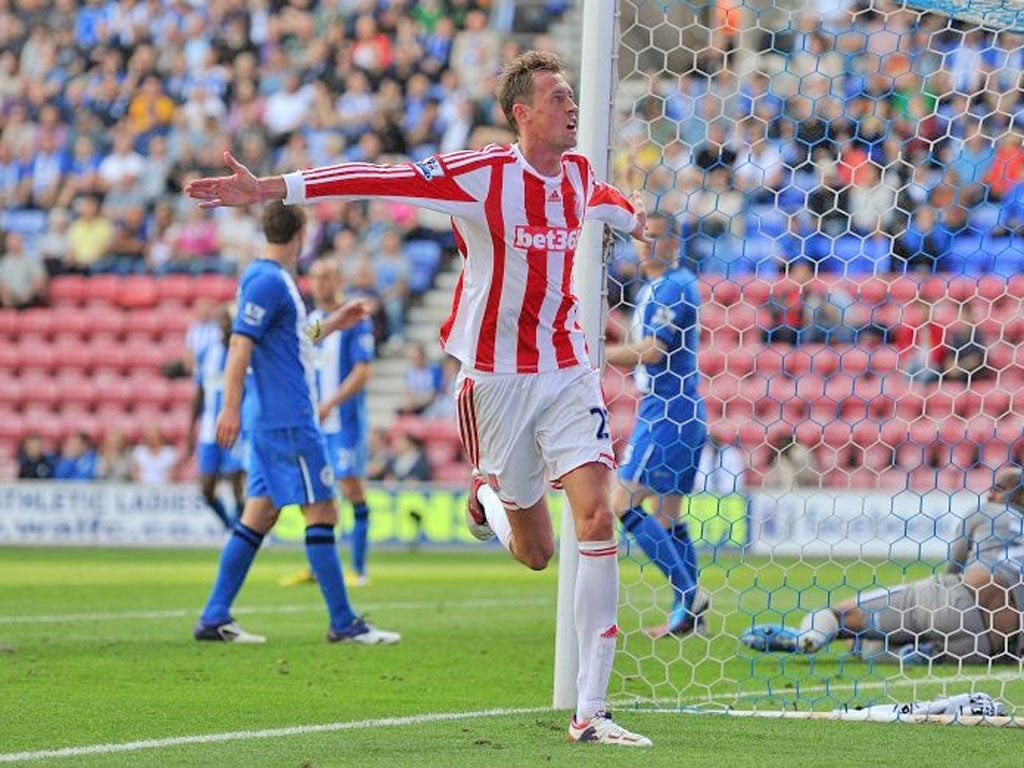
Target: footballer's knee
pixel 595 523
pixel 537 557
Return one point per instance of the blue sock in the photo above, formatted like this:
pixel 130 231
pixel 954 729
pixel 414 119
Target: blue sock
pixel 218 509
pixel 323 559
pixel 658 545
pixel 235 560
pixel 359 532
pixel 686 550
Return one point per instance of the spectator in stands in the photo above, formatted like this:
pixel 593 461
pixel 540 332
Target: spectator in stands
pixel 361 282
pixel 203 331
pixel 474 55
pixel 964 348
pixel 126 254
pixel 919 343
pixel 121 171
pixel 194 244
pixel 409 464
pixel 77 460
pixel 721 469
pixel 82 177
pixel 393 281
pixel 443 406
pixel 115 459
pixel 33 461
pixel 378 455
pixel 422 381
pixel 89 236
pixel 22 276
pixel 969 161
pixel 154 461
pixel 791 466
pixel 923 246
pixel 52 245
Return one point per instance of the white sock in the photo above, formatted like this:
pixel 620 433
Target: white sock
pixel 597 605
pixel 818 628
pixel 497 517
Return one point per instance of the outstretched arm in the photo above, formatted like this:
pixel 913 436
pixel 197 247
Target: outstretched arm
pixel 429 184
pixel 239 189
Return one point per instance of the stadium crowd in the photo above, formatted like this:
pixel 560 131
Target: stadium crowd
pixel 838 147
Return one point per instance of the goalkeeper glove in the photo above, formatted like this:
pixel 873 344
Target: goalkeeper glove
pixel 314 330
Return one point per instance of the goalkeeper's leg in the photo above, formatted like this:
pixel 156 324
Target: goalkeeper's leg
pixel 997 592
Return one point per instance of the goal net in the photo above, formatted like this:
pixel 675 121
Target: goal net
pixel 847 179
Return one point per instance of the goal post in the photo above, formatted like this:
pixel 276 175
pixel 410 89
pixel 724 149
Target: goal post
pixel 596 99
pixel 830 166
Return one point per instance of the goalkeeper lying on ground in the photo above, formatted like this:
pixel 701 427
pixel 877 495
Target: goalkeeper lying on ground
pixel 971 613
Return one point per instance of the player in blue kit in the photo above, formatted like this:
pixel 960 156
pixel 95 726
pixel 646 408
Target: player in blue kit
pixel 288 462
pixel 664 451
pixel 342 371
pixel 214 461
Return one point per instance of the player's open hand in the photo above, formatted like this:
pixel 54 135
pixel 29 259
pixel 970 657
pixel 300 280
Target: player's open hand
pixel 229 424
pixel 240 188
pixel 352 311
pixel 640 231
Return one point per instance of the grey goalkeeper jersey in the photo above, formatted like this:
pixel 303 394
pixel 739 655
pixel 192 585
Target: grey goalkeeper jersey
pixel 992 535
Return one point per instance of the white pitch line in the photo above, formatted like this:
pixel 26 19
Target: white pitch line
pixel 181 613
pixel 270 733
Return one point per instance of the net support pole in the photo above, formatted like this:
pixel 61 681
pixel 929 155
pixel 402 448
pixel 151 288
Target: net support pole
pixel 596 91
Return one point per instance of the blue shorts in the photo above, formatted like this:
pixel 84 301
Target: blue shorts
pixel 664 456
pixel 214 460
pixel 347 451
pixel 290 466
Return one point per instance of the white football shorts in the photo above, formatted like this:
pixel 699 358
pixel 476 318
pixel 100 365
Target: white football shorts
pixel 521 428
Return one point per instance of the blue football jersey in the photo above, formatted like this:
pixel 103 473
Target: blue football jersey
pixel 271 313
pixel 667 309
pixel 337 355
pixel 210 368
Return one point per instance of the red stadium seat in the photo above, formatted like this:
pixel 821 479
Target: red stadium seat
pixel 71 326
pixel 72 356
pixel 991 287
pixel 38 323
pixel 409 425
pixel 8 323
pixel 1015 286
pixel 902 291
pixel 769 361
pixel 756 292
pixel 75 389
pixel 109 358
pixel 725 293
pixel 740 361
pixel 138 291
pixel 177 290
pixel 144 356
pixel 182 392
pixel 220 288
pixel 150 391
pixel 874 291
pixel 884 360
pixel 66 291
pixel 34 357
pixel 711 362
pixel 105 322
pixel 102 290
pixel 13 427
pixel 174 425
pixel 11 395
pixel 113 391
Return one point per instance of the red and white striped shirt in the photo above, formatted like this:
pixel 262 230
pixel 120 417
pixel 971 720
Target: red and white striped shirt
pixel 514 310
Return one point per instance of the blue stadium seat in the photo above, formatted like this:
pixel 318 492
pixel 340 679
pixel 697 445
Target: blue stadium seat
pixel 968 255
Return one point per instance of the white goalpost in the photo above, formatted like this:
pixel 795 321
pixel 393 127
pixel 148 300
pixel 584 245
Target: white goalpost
pixel 802 147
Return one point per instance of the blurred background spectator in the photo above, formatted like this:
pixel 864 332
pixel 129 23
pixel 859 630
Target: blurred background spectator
pixel 153 460
pixel 114 463
pixel 792 466
pixel 33 462
pixel 409 463
pixel 22 276
pixel 77 460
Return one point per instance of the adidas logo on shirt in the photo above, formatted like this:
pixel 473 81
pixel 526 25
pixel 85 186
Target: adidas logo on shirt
pixel 554 197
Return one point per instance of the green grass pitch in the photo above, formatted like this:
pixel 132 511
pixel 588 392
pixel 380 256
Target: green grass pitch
pixel 97 650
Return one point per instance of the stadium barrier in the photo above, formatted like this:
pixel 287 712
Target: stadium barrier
pixel 909 525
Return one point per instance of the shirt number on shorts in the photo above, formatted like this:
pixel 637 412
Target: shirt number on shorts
pixel 602 429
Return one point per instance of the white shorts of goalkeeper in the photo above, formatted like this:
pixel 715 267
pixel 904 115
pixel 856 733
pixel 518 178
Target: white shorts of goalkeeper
pixel 522 428
pixel 937 615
